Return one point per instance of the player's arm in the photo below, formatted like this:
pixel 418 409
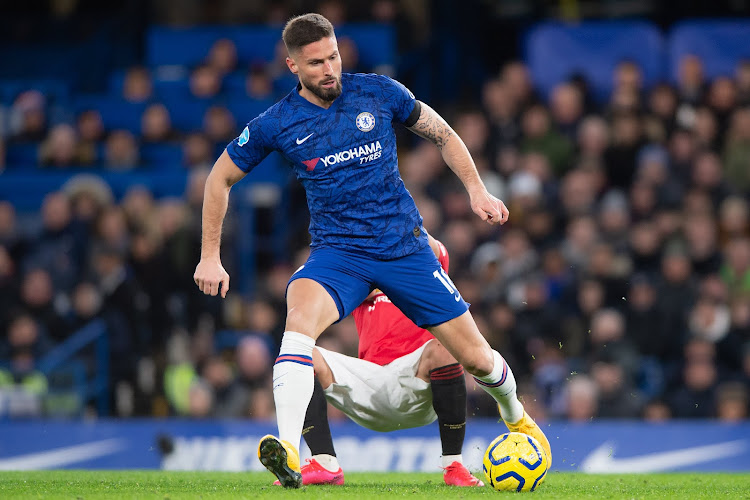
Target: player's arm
pixel 209 273
pixel 431 126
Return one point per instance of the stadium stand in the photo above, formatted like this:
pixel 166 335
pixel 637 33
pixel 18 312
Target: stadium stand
pixel 619 289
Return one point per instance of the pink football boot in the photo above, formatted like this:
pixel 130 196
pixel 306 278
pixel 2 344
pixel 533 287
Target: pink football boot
pixel 314 473
pixel 455 475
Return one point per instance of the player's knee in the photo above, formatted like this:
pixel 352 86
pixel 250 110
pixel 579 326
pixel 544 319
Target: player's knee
pixel 479 363
pixel 436 355
pixel 303 320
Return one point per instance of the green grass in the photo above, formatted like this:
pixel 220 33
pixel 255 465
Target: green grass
pixel 220 485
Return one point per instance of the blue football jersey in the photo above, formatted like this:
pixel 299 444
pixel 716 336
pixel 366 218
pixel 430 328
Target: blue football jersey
pixel 345 157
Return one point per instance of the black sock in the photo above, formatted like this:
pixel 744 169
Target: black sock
pixel 449 401
pixel 316 431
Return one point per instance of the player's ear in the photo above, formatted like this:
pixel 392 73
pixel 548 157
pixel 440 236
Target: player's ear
pixel 292 65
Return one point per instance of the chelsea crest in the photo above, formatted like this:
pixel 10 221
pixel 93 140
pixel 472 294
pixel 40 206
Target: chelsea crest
pixel 365 121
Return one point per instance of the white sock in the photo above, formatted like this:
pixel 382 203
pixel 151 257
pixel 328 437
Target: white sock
pixel 501 385
pixel 449 459
pixel 293 385
pixel 328 462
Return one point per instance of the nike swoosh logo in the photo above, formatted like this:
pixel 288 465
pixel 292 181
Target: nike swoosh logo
pixel 61 457
pixel 300 141
pixel 602 459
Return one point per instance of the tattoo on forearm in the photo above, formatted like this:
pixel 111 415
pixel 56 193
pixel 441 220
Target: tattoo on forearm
pixel 432 127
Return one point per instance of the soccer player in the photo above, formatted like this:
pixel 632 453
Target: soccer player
pixel 403 378
pixel 337 131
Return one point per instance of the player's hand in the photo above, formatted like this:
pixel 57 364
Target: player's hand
pixel 489 208
pixel 209 274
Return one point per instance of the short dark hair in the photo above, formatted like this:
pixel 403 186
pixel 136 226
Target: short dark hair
pixel 305 29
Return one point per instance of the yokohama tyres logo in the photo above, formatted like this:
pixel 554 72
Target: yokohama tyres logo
pixel 365 153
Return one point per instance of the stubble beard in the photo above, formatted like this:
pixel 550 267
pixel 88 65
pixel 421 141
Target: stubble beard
pixel 325 94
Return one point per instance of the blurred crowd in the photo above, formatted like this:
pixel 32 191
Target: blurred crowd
pixel 620 288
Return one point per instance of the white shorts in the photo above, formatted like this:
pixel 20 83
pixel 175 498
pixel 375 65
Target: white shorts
pixel 381 398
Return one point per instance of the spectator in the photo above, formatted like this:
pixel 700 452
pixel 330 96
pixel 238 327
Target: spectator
pixel 732 402
pixel 643 318
pixel 620 157
pixel 59 246
pixel 695 397
pixel 205 82
pixel 112 230
pixel 88 195
pixel 742 80
pixel 259 84
pixel 124 309
pixel 676 292
pixel 737 150
pixel 10 236
pixel 156 125
pixel 200 400
pixel 706 128
pixel 539 136
pixel 219 125
pixel 501 112
pixel 515 75
pixel 736 269
pixel 137 86
pixel 62 149
pixel 566 104
pixel 593 138
pixel 721 98
pixel 121 150
pixel 28 117
pixel 350 62
pixel 22 386
pixel 86 305
pixel 691 83
pixel 657 411
pixel 582 399
pixel 702 244
pixel 617 396
pixel 628 75
pixel 662 104
pixel 222 56
pixel 8 285
pixel 90 127
pixel 197 151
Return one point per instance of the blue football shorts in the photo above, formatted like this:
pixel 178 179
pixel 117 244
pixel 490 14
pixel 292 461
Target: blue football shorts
pixel 416 283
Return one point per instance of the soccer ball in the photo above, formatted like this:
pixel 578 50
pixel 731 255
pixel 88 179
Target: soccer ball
pixel 515 462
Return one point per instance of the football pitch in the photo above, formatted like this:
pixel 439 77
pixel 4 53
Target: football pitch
pixel 161 485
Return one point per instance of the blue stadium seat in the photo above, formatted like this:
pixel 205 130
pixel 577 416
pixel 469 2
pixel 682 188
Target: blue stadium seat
pixel 719 44
pixel 116 112
pixel 26 189
pixel 556 51
pixel 376 43
pixel 234 83
pixel 257 44
pixel 190 46
pixel 181 46
pixel 172 88
pixel 187 112
pixel 245 109
pixel 54 89
pixel 22 155
pixel 162 156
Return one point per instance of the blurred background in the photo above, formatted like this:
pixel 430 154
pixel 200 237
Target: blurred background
pixel 617 132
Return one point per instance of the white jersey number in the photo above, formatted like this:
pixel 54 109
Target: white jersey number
pixel 447 283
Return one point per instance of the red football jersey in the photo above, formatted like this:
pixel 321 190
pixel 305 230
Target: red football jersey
pixel 384 332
